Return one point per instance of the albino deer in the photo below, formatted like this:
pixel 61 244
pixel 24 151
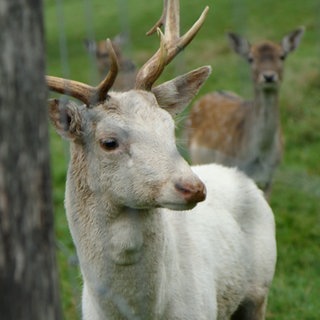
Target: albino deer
pixel 226 129
pixel 127 69
pixel 141 254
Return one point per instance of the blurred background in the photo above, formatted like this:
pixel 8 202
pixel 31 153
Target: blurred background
pixel 296 192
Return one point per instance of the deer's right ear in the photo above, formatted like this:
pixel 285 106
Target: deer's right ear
pixel 90 45
pixel 66 118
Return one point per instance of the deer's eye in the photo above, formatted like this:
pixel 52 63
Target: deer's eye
pixel 283 57
pixel 109 144
pixel 102 55
pixel 250 59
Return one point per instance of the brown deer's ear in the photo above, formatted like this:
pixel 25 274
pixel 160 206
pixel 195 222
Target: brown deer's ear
pixel 176 94
pixel 66 118
pixel 90 45
pixel 291 41
pixel 239 44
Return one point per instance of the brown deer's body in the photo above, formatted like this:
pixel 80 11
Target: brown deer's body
pixel 127 69
pixel 227 129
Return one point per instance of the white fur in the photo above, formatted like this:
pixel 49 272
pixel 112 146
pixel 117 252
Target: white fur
pixel 199 264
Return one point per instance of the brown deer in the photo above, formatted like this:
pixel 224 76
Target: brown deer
pixel 127 69
pixel 139 257
pixel 227 129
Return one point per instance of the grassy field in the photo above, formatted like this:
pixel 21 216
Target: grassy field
pixel 295 199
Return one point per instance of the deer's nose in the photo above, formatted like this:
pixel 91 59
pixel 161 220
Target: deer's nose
pixel 270 77
pixel 191 192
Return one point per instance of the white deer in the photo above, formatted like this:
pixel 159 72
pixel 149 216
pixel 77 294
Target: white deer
pixel 227 129
pixel 147 249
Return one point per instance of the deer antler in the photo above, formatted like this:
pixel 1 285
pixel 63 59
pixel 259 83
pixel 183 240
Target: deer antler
pixel 161 21
pixel 171 43
pixel 83 92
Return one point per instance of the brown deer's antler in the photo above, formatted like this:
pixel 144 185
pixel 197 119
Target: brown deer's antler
pixel 171 43
pixel 83 92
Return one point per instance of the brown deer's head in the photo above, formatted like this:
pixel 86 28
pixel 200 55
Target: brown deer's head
pixel 266 58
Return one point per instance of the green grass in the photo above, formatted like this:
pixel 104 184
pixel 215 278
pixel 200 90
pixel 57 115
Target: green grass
pixel 296 193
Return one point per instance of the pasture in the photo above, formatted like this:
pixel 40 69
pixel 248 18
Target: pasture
pixel 296 191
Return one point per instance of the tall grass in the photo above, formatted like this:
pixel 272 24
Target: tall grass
pixel 295 198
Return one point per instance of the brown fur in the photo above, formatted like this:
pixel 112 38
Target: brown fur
pixel 127 69
pixel 229 130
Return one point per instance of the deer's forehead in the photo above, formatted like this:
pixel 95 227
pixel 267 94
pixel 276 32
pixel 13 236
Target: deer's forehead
pixel 133 109
pixel 266 50
pixel 126 100
pixel 102 46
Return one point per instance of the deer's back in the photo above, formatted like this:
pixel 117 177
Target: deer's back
pixel 217 128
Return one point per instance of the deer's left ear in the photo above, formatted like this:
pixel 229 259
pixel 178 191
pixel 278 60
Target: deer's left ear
pixel 291 41
pixel 176 94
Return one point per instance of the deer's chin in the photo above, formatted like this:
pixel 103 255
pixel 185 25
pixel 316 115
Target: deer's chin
pixel 166 205
pixel 177 206
pixel 269 86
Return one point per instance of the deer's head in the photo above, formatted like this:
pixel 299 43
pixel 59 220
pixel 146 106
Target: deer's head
pixel 123 143
pixel 99 49
pixel 266 58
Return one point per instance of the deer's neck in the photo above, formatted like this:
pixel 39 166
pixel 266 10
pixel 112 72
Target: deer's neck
pixel 266 118
pixel 266 107
pixel 121 252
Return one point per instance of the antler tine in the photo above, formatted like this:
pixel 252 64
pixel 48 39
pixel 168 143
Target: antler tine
pixel 72 88
pixel 83 92
pixel 106 84
pixel 171 43
pixel 161 21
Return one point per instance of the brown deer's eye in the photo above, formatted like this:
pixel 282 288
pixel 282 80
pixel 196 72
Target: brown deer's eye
pixel 283 57
pixel 250 59
pixel 109 144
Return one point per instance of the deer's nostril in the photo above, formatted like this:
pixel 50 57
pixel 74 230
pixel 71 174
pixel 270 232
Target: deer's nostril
pixel 192 193
pixel 182 188
pixel 269 78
